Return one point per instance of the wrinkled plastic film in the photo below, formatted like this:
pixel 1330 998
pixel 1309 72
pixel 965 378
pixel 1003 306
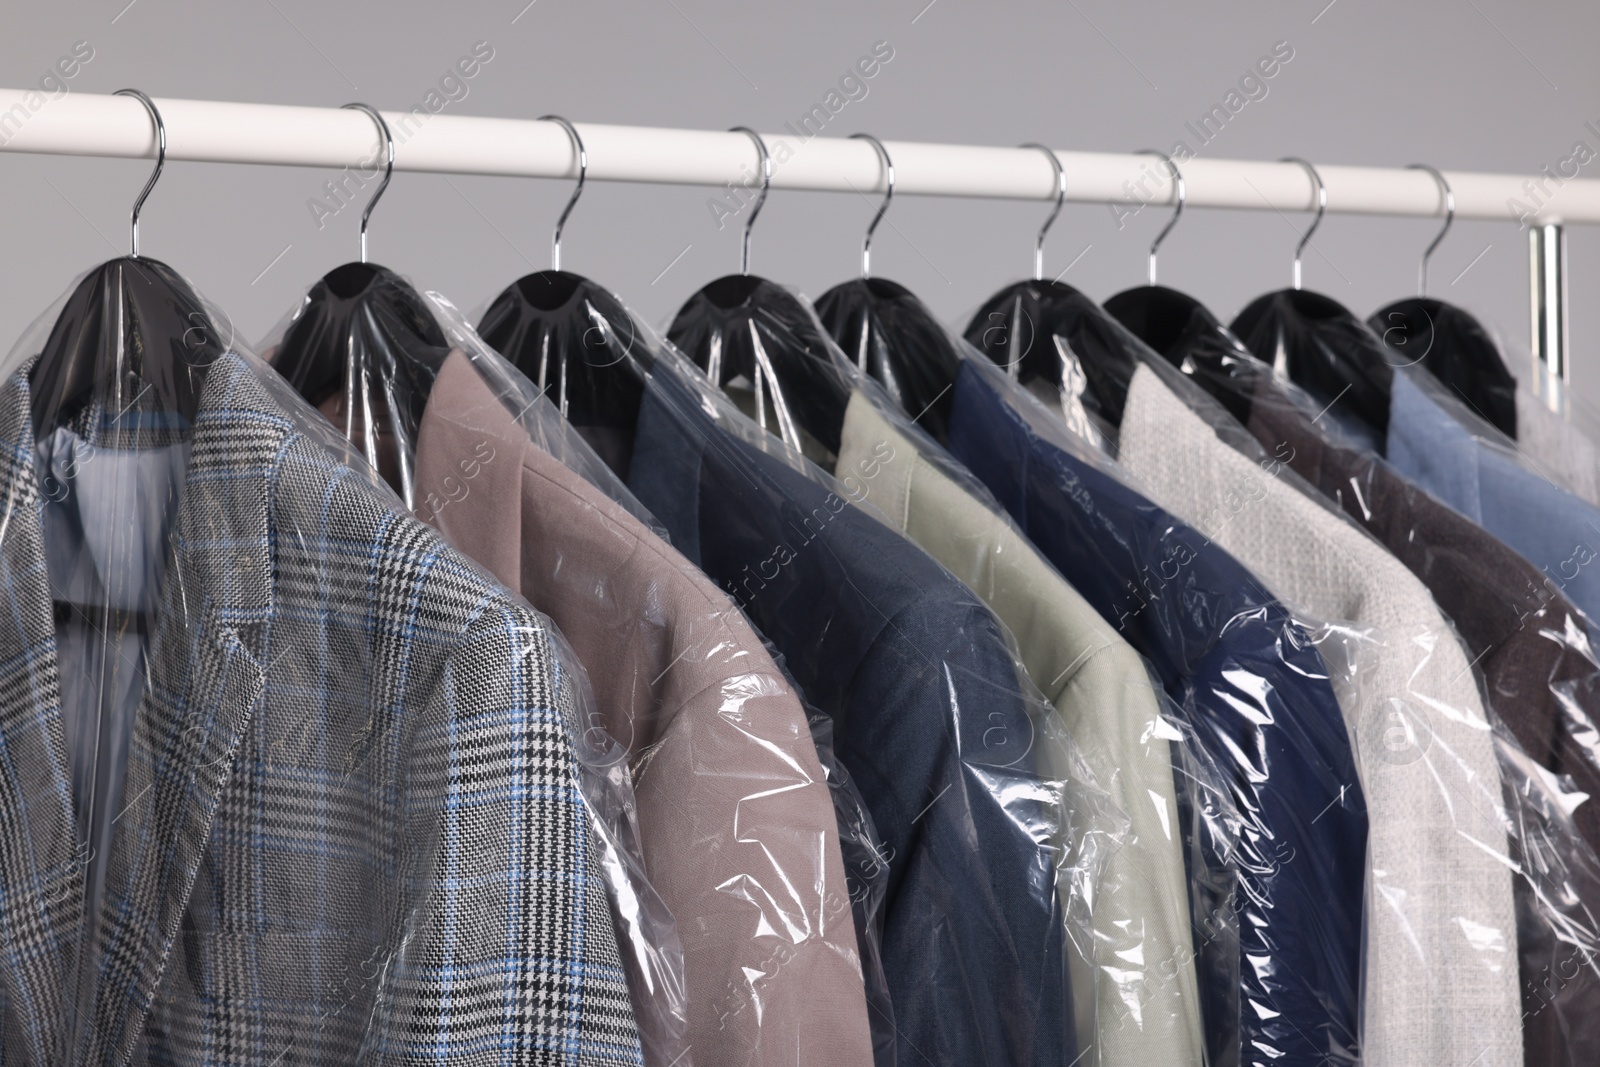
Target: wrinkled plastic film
pixel 1422 740
pixel 1397 408
pixel 782 927
pixel 739 807
pixel 374 398
pixel 1536 667
pixel 1420 734
pixel 233 819
pixel 1015 809
pixel 590 357
pixel 754 1016
pixel 1554 425
pixel 1256 685
pixel 1135 981
pixel 1501 381
pixel 1452 453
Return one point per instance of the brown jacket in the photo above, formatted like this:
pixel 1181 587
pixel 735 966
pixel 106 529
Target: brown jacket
pixel 735 818
pixel 1539 676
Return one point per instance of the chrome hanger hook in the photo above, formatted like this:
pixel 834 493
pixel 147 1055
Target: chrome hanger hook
pixel 1061 196
pixel 888 170
pixel 161 159
pixel 388 168
pixel 1177 180
pixel 1322 207
pixel 583 171
pixel 1449 198
pixel 766 184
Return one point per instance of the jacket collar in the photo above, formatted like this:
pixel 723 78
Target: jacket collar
pixel 205 679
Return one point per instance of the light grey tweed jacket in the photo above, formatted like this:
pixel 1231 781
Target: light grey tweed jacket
pixel 351 829
pixel 1441 949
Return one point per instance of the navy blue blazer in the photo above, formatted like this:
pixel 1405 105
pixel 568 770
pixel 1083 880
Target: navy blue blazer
pixel 1258 697
pixel 928 719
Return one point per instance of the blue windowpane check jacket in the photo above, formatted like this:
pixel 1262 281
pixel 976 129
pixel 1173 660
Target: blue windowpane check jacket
pixel 352 829
pixel 918 680
pixel 1258 696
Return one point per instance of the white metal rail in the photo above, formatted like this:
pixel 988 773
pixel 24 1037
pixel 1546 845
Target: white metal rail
pixel 214 131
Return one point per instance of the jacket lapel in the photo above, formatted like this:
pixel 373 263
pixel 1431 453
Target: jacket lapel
pixel 205 681
pixel 41 867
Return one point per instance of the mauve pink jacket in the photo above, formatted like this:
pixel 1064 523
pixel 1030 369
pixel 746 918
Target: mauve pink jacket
pixel 737 826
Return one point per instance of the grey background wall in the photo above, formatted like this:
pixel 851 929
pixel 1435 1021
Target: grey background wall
pixel 1501 85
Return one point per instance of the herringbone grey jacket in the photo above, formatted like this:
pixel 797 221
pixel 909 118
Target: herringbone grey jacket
pixel 351 830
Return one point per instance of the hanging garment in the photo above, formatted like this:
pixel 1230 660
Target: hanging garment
pixel 1452 345
pixel 1527 639
pixel 1432 439
pixel 590 358
pixel 1554 447
pixel 735 819
pixel 930 719
pixel 1400 845
pixel 1140 969
pixel 1539 672
pixel 1458 351
pixel 1439 859
pixel 1095 681
pixel 1453 455
pixel 106 523
pixel 365 347
pixel 305 868
pixel 1540 676
pixel 1256 692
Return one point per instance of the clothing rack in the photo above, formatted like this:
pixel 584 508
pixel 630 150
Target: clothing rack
pixel 330 137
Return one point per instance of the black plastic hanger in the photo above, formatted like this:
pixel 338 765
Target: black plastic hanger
pixel 1182 329
pixel 1448 341
pixel 1185 333
pixel 1050 333
pixel 744 326
pixel 1318 342
pixel 132 331
pixel 889 333
pixel 365 349
pixel 132 336
pixel 575 340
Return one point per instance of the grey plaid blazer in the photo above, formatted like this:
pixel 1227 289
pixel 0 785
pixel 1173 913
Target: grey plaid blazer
pixel 351 829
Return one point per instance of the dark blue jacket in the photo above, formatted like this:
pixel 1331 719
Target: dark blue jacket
pixel 1258 697
pixel 928 719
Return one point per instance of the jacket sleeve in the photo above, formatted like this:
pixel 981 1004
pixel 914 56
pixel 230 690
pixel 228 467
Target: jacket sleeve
pixel 508 946
pixel 967 825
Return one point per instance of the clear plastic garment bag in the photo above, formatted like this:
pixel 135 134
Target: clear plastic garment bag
pixel 244 774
